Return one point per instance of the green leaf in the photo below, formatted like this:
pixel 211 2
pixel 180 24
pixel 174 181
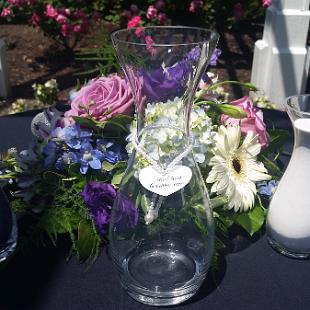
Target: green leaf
pixel 87 122
pixel 252 220
pixel 218 201
pixel 145 203
pixel 116 125
pixel 117 177
pixel 74 170
pixel 278 137
pixel 230 110
pixel 109 167
pixel 250 86
pixel 87 244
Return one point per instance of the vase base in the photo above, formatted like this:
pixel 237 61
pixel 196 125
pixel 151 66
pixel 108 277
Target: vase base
pixel 8 247
pixel 159 301
pixel 161 278
pixel 287 252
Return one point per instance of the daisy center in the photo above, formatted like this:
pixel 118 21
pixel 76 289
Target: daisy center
pixel 237 165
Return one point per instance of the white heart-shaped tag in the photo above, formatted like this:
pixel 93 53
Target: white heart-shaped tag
pixel 165 184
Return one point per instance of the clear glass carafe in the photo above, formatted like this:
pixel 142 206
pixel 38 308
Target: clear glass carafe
pixel 161 229
pixel 8 228
pixel 288 218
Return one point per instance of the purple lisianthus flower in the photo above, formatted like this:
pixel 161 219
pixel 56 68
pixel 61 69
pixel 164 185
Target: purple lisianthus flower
pixel 161 85
pixel 99 198
pixel 216 54
pixel 126 214
pixel 194 54
pixel 89 157
pixel 267 188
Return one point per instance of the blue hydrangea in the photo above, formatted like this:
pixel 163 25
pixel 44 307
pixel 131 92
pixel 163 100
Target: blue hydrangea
pixel 50 150
pixel 111 151
pixel 89 157
pixel 73 136
pixel 67 158
pixel 267 188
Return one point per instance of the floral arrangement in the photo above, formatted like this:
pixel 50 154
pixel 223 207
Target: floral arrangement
pixel 66 182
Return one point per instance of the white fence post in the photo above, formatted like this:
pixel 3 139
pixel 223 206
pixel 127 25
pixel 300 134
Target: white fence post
pixel 281 59
pixel 4 72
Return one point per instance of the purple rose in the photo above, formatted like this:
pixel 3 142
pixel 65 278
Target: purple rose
pixel 102 98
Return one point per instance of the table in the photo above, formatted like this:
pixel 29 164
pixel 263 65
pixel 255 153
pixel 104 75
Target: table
pixel 252 277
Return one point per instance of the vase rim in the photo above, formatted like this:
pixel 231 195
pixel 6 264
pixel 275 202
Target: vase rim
pixel 288 106
pixel 214 35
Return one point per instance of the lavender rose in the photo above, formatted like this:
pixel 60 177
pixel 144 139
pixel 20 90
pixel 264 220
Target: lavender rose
pixel 253 122
pixel 102 98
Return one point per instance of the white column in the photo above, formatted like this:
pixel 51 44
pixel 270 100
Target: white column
pixel 281 59
pixel 4 72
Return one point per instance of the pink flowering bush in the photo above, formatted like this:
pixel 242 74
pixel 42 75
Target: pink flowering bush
pixel 205 13
pixel 102 98
pixel 64 21
pixel 253 122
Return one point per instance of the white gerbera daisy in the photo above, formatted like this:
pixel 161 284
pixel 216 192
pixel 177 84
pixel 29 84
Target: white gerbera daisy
pixel 235 169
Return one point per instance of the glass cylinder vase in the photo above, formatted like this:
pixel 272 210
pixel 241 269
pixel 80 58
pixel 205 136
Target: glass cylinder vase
pixel 161 228
pixel 288 218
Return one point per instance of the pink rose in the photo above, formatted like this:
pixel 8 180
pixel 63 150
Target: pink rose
pixel 151 12
pixel 6 12
pixel 194 5
pixel 134 22
pixel 139 32
pixel 50 11
pixel 61 19
pixel 253 122
pixel 102 98
pixel 77 28
pixel 266 3
pixel 64 11
pixel 35 19
pixel 66 30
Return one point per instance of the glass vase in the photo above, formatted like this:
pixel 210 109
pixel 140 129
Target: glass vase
pixel 8 228
pixel 288 218
pixel 161 228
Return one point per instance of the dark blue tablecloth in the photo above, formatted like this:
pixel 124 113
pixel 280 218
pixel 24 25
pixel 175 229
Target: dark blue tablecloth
pixel 251 277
